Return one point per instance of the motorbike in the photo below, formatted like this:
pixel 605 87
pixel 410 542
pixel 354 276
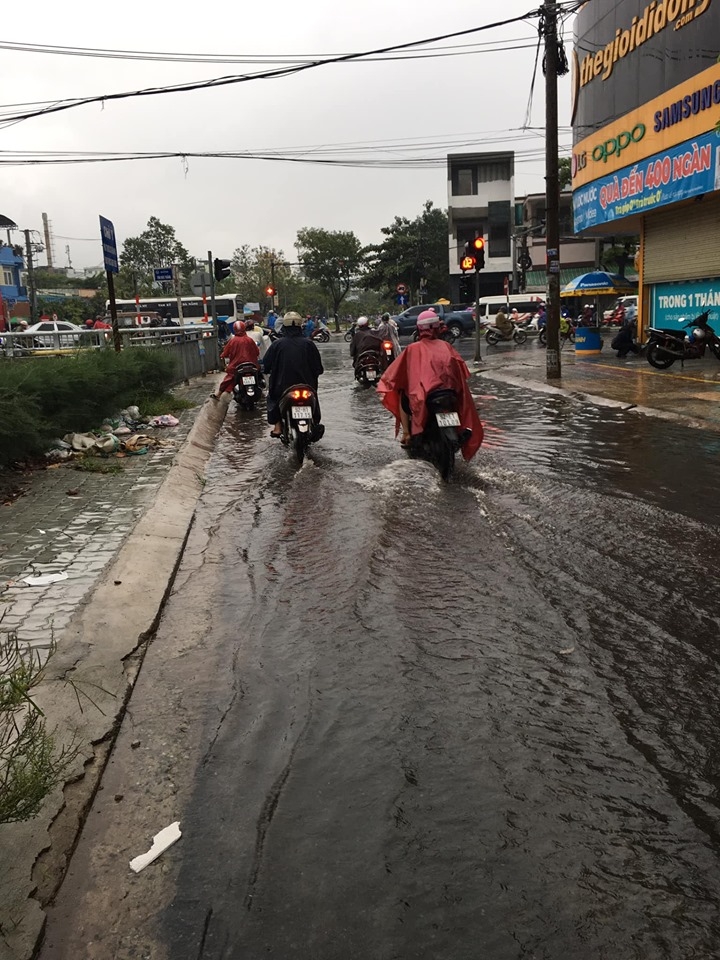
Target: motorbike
pixel 494 336
pixel 299 429
pixel 446 333
pixel 321 335
pixel 369 367
pixel 440 440
pixel 388 353
pixel 565 335
pixel 664 347
pixel 248 386
pixel 349 334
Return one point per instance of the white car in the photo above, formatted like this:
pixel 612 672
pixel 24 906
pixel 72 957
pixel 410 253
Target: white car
pixel 59 334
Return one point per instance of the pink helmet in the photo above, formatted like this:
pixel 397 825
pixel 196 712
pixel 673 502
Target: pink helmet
pixel 238 328
pixel 427 320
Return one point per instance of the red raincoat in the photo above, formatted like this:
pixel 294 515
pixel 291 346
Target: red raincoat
pixel 421 368
pixel 238 350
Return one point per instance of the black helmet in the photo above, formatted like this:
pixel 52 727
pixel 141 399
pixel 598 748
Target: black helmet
pixel 385 316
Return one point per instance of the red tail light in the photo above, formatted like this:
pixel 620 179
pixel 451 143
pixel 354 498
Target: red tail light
pixel 296 394
pixel 387 345
pixel 301 394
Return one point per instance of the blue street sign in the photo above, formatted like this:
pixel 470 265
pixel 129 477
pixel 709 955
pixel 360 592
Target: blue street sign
pixel 402 299
pixel 163 274
pixel 110 254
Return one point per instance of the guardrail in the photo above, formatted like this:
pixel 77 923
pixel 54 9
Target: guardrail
pixel 195 347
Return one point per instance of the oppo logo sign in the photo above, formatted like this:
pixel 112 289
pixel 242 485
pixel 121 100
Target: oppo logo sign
pixel 615 146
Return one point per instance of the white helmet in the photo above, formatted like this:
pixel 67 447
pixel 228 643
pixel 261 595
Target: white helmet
pixel 699 333
pixel 362 321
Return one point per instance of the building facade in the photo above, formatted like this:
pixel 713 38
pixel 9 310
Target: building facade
pixel 646 155
pixel 14 294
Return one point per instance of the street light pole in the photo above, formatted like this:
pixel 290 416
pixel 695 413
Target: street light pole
pixel 552 189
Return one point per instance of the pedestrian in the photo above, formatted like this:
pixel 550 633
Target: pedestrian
pixel 624 341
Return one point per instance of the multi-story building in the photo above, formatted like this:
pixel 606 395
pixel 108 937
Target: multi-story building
pixel 482 201
pixel 646 155
pixel 14 294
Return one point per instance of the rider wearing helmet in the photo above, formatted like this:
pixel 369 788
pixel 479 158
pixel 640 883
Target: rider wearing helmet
pixel 256 335
pixel 293 359
pixel 364 339
pixel 428 365
pixel 238 350
pixel 388 330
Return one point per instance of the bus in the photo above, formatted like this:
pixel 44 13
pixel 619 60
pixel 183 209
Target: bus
pixel 228 307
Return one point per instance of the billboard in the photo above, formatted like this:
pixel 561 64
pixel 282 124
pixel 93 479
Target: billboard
pixel 628 52
pixel 674 304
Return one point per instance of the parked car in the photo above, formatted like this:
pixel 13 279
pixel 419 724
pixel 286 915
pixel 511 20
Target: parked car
pixel 460 322
pixel 59 334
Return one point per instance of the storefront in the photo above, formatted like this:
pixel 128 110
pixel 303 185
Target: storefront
pixel 646 159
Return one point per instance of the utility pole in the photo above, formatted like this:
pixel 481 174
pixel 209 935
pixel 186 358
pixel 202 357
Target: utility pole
pixel 31 277
pixel 213 309
pixel 552 189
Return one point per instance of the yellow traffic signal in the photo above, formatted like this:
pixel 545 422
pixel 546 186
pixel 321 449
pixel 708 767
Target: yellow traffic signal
pixel 468 263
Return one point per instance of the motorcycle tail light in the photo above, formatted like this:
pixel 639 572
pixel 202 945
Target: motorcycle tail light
pixel 296 394
pixel 387 345
pixel 305 394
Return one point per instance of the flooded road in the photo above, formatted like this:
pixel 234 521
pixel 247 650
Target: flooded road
pixel 401 719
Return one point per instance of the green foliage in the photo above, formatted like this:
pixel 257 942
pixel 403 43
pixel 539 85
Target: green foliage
pixel 45 397
pixel 31 764
pixel 414 250
pixel 619 256
pixel 565 172
pixel 97 465
pixel 331 259
pixel 156 246
pixel 155 404
pixel 73 309
pixel 252 271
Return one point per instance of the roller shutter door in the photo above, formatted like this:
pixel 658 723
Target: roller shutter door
pixel 683 243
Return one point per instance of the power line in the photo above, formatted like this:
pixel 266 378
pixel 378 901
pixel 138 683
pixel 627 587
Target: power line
pixel 265 75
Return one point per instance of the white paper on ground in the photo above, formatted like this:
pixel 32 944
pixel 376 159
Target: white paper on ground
pixel 43 579
pixel 161 841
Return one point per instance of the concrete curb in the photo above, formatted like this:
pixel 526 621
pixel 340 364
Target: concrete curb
pixel 96 663
pixel 599 400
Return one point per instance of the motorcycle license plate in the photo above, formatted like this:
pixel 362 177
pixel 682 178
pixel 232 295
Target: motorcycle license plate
pixel 371 373
pixel 248 381
pixel 447 419
pixel 301 413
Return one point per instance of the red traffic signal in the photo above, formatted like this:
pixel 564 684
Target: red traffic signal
pixel 478 246
pixel 270 290
pixel 468 263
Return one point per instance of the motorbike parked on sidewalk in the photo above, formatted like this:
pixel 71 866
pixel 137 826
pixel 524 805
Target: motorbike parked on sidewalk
pixel 440 440
pixel 494 336
pixel 298 412
pixel 248 386
pixel 664 346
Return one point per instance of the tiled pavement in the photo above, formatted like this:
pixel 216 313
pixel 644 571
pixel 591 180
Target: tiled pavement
pixel 47 530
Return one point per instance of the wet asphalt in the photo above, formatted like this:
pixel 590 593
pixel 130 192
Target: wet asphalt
pixel 405 719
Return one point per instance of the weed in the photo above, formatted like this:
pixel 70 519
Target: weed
pixel 97 465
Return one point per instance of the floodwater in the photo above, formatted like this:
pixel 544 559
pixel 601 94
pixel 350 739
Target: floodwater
pixel 444 722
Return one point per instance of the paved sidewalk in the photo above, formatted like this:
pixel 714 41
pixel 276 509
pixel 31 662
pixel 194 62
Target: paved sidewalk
pixel 691 392
pixel 72 522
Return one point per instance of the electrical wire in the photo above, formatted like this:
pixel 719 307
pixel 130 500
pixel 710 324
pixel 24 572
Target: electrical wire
pixel 264 75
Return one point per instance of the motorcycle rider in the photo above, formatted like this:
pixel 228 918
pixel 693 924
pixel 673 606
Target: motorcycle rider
pixel 290 360
pixel 257 336
pixel 427 365
pixel 364 339
pixel 388 330
pixel 503 324
pixel 238 350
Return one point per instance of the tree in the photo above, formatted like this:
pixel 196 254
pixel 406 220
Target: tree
pixel 332 259
pixel 619 255
pixel 414 252
pixel 156 246
pixel 565 172
pixel 252 269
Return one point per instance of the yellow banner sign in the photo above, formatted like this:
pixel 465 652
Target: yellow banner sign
pixel 686 111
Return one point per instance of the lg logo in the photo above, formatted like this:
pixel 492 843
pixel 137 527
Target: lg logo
pixel 579 162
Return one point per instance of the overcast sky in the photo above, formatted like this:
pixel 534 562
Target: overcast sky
pixel 220 204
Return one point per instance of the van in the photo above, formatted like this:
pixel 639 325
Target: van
pixel 526 305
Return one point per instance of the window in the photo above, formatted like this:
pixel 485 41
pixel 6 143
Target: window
pixel 8 278
pixel 464 182
pixel 499 216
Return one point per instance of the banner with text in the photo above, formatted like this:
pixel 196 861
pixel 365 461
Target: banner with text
pixel 674 304
pixel 676 174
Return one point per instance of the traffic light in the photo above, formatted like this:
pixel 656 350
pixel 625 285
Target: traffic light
pixel 468 262
pixel 478 247
pixel 221 269
pixel 270 290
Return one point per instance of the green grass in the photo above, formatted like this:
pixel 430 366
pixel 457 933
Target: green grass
pixel 97 465
pixel 40 401
pixel 155 406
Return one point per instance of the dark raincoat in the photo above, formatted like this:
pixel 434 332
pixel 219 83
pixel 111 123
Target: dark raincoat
pixel 425 366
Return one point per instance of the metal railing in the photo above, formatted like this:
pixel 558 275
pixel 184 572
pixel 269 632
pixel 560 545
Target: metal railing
pixel 195 347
